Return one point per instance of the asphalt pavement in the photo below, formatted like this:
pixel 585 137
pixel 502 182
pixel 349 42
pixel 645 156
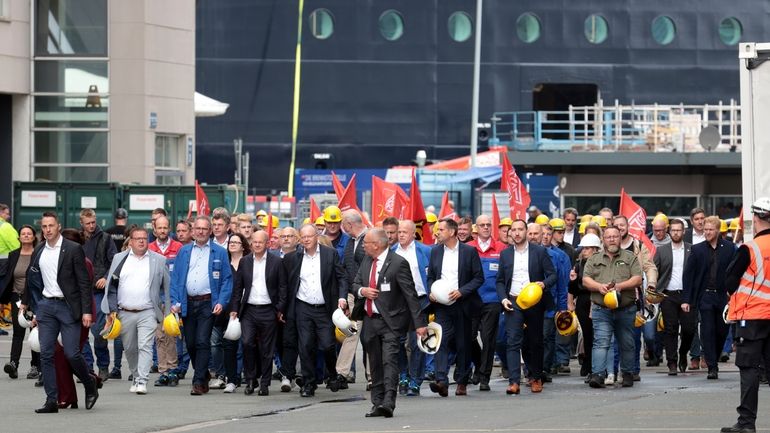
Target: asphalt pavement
pixel 659 403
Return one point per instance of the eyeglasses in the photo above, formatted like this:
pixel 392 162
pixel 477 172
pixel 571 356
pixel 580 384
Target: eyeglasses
pixel 483 225
pixel 236 243
pixel 139 239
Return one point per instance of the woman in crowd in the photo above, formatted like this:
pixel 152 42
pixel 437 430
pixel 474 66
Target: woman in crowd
pixel 237 247
pixel 581 298
pixel 12 289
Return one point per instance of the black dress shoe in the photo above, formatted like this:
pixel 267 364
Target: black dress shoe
pixel 484 387
pixel 263 391
pixel 91 396
pixel 307 391
pixel 374 412
pixel 333 385
pixel 682 364
pixel 672 369
pixel 249 389
pixel 713 374
pixel 737 429
pixel 48 407
pixel 386 411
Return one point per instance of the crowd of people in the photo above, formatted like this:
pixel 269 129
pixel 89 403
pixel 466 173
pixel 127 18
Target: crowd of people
pixel 235 296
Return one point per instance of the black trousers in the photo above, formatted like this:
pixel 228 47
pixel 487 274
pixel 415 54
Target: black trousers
pixel 18 336
pixel 674 319
pixel 583 311
pixel 382 345
pixel 532 345
pixel 288 347
pixel 259 329
pixel 749 356
pixel 316 332
pixel 457 338
pixel 486 323
pixel 713 329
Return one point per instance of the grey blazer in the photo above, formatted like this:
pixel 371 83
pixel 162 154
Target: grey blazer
pixel 664 261
pixel 159 283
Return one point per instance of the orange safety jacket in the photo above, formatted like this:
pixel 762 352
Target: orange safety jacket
pixel 751 301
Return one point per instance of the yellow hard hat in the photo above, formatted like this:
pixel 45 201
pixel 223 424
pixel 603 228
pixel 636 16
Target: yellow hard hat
pixel 661 217
pixel 306 221
pixel 661 325
pixel 530 295
pixel 431 218
pixel 113 331
pixel 171 325
pixel 566 323
pixel 582 227
pixel 332 214
pixel 586 218
pixel 505 222
pixel 261 213
pixel 598 219
pixel 320 221
pixel 639 320
pixel 431 317
pixel 263 222
pixel 558 224
pixel 339 335
pixel 474 229
pixel 542 219
pixel 612 299
pixel 722 226
pixel 735 224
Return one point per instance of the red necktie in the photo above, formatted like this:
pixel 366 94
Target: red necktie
pixel 372 284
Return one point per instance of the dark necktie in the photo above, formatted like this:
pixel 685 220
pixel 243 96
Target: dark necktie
pixel 372 284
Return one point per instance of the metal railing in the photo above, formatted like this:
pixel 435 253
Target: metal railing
pixel 647 128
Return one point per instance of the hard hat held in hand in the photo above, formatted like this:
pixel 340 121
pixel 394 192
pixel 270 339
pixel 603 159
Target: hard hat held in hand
pixel 652 296
pixel 111 329
pixel 233 331
pixel 440 290
pixel 343 323
pixel 590 240
pixel 530 295
pixel 725 312
pixel 661 326
pixel 431 342
pixel 171 325
pixel 24 318
pixel 647 314
pixel 612 299
pixel 34 340
pixel 566 323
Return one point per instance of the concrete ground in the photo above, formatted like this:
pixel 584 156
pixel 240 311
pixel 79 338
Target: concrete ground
pixel 659 403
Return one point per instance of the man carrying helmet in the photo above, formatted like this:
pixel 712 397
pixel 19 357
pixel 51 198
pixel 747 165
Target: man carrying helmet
pixel 613 276
pixel 523 265
pixel 748 282
pixel 137 290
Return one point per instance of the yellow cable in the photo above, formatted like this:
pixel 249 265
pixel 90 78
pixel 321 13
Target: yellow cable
pixel 295 113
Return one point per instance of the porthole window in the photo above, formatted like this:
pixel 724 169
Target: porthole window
pixel 391 25
pixel 528 27
pixel 596 29
pixel 321 23
pixel 730 31
pixel 460 27
pixel 663 30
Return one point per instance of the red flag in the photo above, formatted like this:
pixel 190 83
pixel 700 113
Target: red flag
pixel 416 213
pixel 201 201
pixel 637 220
pixel 495 219
pixel 447 211
pixel 388 199
pixel 518 197
pixel 348 198
pixel 270 226
pixel 314 211
pixel 338 189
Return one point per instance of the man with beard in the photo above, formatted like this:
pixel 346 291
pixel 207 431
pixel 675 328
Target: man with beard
pixel 289 241
pixel 464 230
pixel 660 236
pixel 669 260
pixel 613 269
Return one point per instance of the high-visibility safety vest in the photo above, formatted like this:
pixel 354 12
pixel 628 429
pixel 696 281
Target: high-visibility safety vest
pixel 752 299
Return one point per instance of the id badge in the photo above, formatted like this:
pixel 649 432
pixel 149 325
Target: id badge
pixel 385 287
pixel 215 274
pixel 494 266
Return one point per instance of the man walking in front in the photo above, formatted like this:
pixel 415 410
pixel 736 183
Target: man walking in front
pixel 137 290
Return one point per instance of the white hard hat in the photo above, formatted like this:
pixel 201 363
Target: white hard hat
pixel 431 342
pixel 649 312
pixel 24 318
pixel 440 290
pixel 590 240
pixel 34 340
pixel 233 331
pixel 761 207
pixel 344 324
pixel 724 315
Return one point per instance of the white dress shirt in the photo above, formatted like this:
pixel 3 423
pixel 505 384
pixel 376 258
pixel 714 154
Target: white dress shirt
pixel 49 268
pixel 484 246
pixel 222 244
pixel 134 283
pixel 569 236
pixel 698 238
pixel 450 266
pixel 410 254
pixel 520 276
pixel 310 290
pixel 677 270
pixel 258 294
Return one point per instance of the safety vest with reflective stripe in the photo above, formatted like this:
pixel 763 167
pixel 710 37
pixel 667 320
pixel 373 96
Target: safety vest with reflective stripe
pixel 752 299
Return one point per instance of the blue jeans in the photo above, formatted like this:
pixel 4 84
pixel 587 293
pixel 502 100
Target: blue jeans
pixel 217 361
pixel 606 323
pixel 416 361
pixel 549 345
pixel 197 332
pixel 101 349
pixel 182 357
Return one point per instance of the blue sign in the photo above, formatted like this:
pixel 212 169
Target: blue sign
pixel 311 181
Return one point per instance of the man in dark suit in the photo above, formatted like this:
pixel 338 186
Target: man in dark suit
pixel 695 233
pixel 317 285
pixel 524 325
pixel 354 226
pixel 704 288
pixel 460 265
pixel 384 283
pixel 571 234
pixel 670 259
pixel 59 291
pixel 259 299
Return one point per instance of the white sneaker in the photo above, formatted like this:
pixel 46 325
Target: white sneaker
pixel 141 388
pixel 132 389
pixel 286 384
pixel 230 388
pixel 216 383
pixel 610 380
